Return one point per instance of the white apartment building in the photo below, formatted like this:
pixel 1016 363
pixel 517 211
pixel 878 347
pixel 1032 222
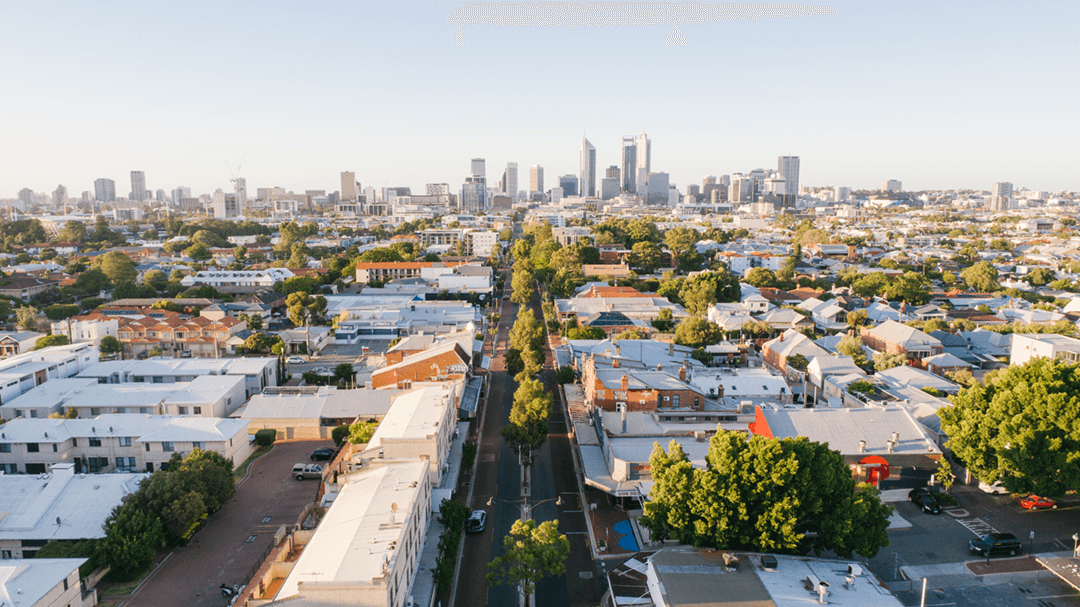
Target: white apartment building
pixel 239 280
pixel 418 426
pixel 258 373
pixel 367 547
pixel 108 443
pixel 1026 346
pixel 43 583
pixel 480 242
pixel 571 236
pixel 23 372
pixel 82 503
pixel 85 330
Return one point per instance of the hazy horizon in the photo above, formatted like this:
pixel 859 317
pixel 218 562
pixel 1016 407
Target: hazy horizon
pixel 953 96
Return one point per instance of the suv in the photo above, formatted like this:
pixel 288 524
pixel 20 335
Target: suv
pixel 995 543
pixel 303 471
pixel 925 500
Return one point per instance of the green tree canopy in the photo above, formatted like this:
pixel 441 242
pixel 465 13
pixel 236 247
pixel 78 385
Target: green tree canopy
pixel 529 416
pixel 697 333
pixel 51 340
pixel 1020 427
pixel 531 553
pixel 766 495
pixel 116 266
pixel 884 361
pixel 132 537
pixel 981 277
pixel 586 333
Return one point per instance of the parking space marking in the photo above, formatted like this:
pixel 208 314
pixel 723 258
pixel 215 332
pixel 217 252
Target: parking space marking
pixel 977 526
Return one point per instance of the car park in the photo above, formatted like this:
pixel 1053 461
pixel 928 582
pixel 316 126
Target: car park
pixel 322 454
pixel 305 471
pixel 925 500
pixel 995 543
pixel 477 521
pixel 1034 502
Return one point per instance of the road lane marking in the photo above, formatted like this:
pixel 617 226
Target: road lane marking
pixel 977 526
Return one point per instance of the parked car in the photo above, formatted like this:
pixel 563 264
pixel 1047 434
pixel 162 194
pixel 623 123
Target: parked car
pixel 304 471
pixel 1034 502
pixel 322 454
pixel 295 360
pixel 995 489
pixel 925 500
pixel 477 521
pixel 995 543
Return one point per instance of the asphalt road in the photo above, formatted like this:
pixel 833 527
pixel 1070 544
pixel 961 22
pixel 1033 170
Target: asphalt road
pixel 498 478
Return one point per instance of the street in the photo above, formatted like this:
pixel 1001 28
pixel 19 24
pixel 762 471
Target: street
pixel 498 479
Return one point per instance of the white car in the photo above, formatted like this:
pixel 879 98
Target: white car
pixel 295 360
pixel 995 489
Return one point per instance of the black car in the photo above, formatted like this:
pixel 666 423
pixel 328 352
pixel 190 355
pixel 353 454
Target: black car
pixel 925 500
pixel 476 522
pixel 322 454
pixel 995 543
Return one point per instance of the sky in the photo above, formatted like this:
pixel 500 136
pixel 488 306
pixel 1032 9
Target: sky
pixel 936 94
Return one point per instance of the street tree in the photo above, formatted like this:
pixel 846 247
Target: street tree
pixel 303 307
pixel 1020 427
pixel 667 513
pixel 109 345
pixel 646 256
pixel 521 283
pixel 526 332
pixel 28 318
pixel 529 416
pixel 531 553
pixel 132 537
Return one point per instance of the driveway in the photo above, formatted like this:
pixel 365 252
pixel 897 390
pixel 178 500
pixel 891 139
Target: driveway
pixel 221 551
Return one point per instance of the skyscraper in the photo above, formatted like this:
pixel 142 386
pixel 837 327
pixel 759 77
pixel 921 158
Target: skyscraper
pixel 892 185
pixel 478 168
pixel 644 158
pixel 569 185
pixel 510 181
pixel 138 186
pixel 350 190
pixel 536 178
pixel 179 194
pixel 629 165
pixel 60 196
pixel 104 190
pixel 788 168
pixel 473 195
pixel 587 168
pixel 1001 196
pixel 612 172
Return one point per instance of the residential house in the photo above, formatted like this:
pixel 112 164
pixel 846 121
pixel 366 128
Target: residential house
pixel 238 281
pixel 18 342
pixel 912 377
pixel 44 583
pixel 945 363
pixel 895 338
pixel 615 388
pixel 776 352
pixel 449 361
pixel 25 287
pixel 312 412
pixel 1027 346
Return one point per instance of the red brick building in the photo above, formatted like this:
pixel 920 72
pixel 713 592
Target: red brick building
pixel 437 364
pixel 613 389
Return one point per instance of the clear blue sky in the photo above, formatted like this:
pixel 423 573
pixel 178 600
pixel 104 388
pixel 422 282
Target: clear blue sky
pixel 937 94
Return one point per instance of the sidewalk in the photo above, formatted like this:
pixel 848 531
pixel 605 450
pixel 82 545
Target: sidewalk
pixel 976 572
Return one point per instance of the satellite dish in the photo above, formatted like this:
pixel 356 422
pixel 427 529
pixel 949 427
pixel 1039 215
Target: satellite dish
pixel 58 521
pixel 393 507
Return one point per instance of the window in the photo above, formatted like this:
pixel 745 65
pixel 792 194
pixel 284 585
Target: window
pixel 147 446
pixel 182 410
pixel 96 464
pixel 9 468
pixel 125 463
pixel 197 444
pixel 5 447
pixel 54 449
pixel 31 447
pixel 166 446
pixel 158 379
pixel 35 468
pixel 675 400
pixel 33 413
pixel 5 554
pixel 65 584
pixel 95 411
pixel 125 441
pixel 196 410
pixel 95 442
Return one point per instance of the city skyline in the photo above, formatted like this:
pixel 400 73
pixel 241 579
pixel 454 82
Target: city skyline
pixel 869 93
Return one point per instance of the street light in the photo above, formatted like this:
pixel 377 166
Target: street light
pixel 525 507
pixel 1076 541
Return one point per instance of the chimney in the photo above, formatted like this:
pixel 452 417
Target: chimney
pixel 682 373
pixel 862 446
pixel 615 363
pixel 624 419
pixel 896 437
pixel 625 382
pixel 671 349
pixel 891 445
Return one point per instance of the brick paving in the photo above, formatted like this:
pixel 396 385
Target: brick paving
pixel 219 552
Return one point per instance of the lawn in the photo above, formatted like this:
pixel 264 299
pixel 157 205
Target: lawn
pixel 241 470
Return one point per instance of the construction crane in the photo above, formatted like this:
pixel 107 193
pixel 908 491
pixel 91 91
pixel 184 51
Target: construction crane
pixel 233 175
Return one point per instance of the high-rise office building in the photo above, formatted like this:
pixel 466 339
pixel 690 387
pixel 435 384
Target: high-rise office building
pixel 350 190
pixel 138 186
pixel 536 178
pixel 179 194
pixel 788 168
pixel 741 189
pixel 473 195
pixel 555 195
pixel 610 188
pixel 227 205
pixel 706 181
pixel 160 195
pixel 587 165
pixel 510 181
pixel 26 195
pixel 841 193
pixel 612 172
pixel 892 185
pixel 60 196
pixel 569 185
pixel 478 168
pixel 1001 196
pixel 644 159
pixel 104 190
pixel 657 187
pixel 629 165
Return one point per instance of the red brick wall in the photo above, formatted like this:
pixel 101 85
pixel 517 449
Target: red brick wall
pixel 421 370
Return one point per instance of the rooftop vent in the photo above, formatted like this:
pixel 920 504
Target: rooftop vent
pixel 862 446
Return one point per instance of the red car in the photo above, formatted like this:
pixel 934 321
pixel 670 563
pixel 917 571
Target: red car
pixel 1034 502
